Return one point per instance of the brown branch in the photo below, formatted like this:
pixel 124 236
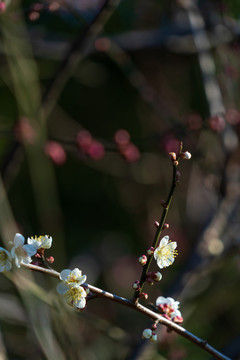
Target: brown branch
pixel 142 309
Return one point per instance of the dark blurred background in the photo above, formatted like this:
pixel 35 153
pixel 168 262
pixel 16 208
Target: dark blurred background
pixel 94 94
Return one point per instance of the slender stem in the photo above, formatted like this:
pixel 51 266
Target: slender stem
pixel 158 231
pixel 142 309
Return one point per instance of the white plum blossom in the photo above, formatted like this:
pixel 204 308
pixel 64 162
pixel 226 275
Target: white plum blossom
pixel 40 242
pixel 22 253
pixel 165 253
pixel 72 278
pixel 5 260
pixel 170 308
pixel 74 296
pixel 70 287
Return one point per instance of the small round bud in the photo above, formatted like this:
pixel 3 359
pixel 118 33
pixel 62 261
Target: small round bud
pixel 163 203
pixel 156 223
pixel 146 334
pixel 186 155
pixel 165 226
pixel 151 250
pixel 153 337
pixel 135 285
pixel 175 163
pixel 154 326
pixel 143 296
pixel 142 260
pixel 173 156
pixel 157 276
pixel 50 259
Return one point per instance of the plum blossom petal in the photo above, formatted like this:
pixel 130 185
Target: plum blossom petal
pixel 22 253
pixel 73 278
pixel 5 260
pixel 44 242
pixel 169 308
pixel 165 253
pixel 76 297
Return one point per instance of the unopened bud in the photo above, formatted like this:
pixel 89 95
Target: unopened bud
pixel 146 334
pixel 153 338
pixel 175 163
pixel 186 155
pixel 157 276
pixel 173 156
pixel 151 250
pixel 165 226
pixel 142 260
pixel 156 223
pixel 143 296
pixel 135 285
pixel 154 326
pixel 50 259
pixel 163 203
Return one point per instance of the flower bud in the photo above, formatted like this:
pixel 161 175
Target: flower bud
pixel 156 223
pixel 154 326
pixel 151 250
pixel 153 338
pixel 163 203
pixel 165 226
pixel 142 260
pixel 143 296
pixel 146 334
pixel 186 155
pixel 173 156
pixel 157 276
pixel 50 259
pixel 135 285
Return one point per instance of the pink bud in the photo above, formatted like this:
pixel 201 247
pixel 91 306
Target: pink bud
pixel 143 296
pixel 165 226
pixel 96 150
pixel 2 7
pixel 151 250
pixel 157 276
pixel 156 223
pixel 84 140
pixel 142 260
pixel 50 259
pixel 122 137
pixel 56 152
pixel 130 152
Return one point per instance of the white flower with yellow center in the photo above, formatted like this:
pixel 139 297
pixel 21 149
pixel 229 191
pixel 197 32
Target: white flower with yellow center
pixel 70 287
pixel 75 296
pixel 165 253
pixel 22 253
pixel 40 242
pixel 5 260
pixel 72 278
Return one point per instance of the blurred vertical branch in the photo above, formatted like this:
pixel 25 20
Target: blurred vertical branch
pixel 26 86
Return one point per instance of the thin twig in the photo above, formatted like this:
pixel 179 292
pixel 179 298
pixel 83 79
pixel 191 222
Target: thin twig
pixel 142 309
pixel 160 226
